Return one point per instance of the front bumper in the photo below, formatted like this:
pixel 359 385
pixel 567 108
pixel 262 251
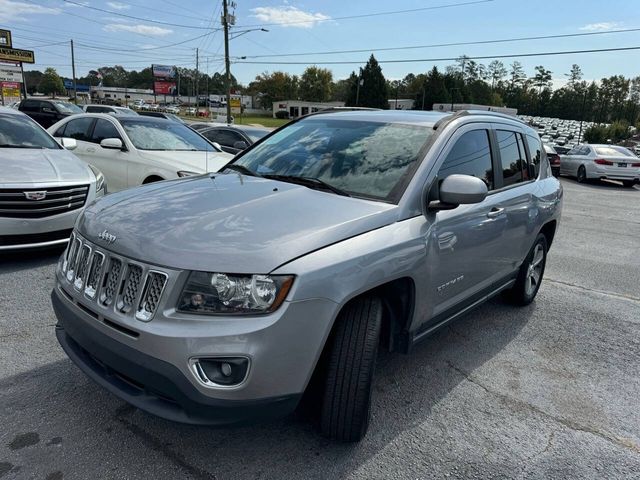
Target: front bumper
pixel 149 383
pixel 22 233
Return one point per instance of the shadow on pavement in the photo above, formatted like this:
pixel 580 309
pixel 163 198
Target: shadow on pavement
pixel 25 260
pixel 407 388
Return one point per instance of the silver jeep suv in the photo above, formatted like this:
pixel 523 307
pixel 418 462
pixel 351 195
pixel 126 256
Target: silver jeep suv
pixel 221 298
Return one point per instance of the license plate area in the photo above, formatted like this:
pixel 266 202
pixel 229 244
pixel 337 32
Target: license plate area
pixel 622 164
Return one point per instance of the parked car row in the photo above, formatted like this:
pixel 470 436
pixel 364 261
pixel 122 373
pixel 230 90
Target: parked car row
pixel 612 162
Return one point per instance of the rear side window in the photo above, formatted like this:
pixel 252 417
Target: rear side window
pixel 512 157
pixel 471 155
pixel 535 150
pixel 78 129
pixel 94 109
pixel 104 129
pixel 223 137
pixel 30 106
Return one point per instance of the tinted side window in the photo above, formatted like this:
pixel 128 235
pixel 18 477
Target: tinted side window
pixel 225 137
pixel 513 160
pixel 94 109
pixel 60 131
pixel 471 155
pixel 104 129
pixel 78 129
pixel 535 149
pixel 30 106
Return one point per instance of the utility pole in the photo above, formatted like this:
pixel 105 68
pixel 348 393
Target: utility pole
pixel 360 82
pixel 584 100
pixel 73 70
pixel 225 23
pixel 197 100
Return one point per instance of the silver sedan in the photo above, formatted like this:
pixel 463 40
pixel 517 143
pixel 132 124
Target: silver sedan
pixel 586 162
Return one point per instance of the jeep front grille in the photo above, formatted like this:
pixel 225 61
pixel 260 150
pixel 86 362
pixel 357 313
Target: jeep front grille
pixel 112 281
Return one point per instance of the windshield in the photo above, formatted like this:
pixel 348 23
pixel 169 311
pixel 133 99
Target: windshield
pixel 19 131
pixel 66 107
pixel 362 158
pixel 164 135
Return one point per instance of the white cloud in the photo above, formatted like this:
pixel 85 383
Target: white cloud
pixel 288 16
pixel 20 11
pixel 119 6
pixel 142 29
pixel 601 26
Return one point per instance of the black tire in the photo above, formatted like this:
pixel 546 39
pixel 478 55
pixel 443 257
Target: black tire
pixel 628 183
pixel 352 358
pixel 555 172
pixel 521 293
pixel 582 174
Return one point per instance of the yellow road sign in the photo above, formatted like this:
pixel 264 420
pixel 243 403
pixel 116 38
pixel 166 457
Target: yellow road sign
pixel 17 55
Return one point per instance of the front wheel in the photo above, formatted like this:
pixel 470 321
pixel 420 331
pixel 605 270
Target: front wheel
pixel 352 358
pixel 530 275
pixel 582 174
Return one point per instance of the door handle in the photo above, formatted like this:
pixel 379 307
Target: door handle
pixel 495 212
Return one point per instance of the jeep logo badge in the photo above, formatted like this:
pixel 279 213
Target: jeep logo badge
pixel 41 195
pixel 107 237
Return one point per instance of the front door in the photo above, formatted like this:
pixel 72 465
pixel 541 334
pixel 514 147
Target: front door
pixel 111 162
pixel 465 247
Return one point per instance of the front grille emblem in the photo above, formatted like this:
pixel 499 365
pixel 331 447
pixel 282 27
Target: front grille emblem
pixel 107 237
pixel 40 195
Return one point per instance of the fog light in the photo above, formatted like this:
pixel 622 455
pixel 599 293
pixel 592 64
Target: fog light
pixel 223 371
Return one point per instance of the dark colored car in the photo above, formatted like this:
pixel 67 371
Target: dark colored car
pixel 554 159
pixel 47 112
pixel 168 116
pixel 233 139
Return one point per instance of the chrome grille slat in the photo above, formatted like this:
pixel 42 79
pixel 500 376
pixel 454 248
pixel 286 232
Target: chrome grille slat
pixel 122 286
pixel 129 288
pixel 84 256
pixel 111 282
pixel 95 272
pixel 151 294
pixel 14 204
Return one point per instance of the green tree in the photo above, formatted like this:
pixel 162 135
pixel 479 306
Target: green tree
pixel 542 78
pixel 496 72
pixel 575 75
pixel 51 83
pixel 272 87
pixel 315 84
pixel 373 92
pixel 517 77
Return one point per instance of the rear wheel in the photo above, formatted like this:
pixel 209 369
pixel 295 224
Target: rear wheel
pixel 628 183
pixel 352 357
pixel 530 275
pixel 582 174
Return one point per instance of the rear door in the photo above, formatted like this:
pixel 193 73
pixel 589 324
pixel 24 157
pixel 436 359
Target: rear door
pixel 466 256
pixel 32 108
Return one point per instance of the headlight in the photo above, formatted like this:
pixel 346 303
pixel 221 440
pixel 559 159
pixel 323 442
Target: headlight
pixel 99 178
pixel 185 173
pixel 225 293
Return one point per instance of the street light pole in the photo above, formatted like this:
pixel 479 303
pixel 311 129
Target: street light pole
pixel 227 63
pixel 73 71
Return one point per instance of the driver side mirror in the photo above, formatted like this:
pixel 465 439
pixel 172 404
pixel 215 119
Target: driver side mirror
pixel 217 146
pixel 456 190
pixel 240 145
pixel 111 143
pixel 69 143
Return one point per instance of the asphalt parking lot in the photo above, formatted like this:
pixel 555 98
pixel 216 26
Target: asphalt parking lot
pixel 548 391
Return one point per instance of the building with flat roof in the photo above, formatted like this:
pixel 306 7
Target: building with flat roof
pixel 298 108
pixel 446 107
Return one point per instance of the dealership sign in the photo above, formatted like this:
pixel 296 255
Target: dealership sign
pixel 163 71
pixel 10 89
pixel 10 73
pixel 5 39
pixel 164 88
pixel 16 55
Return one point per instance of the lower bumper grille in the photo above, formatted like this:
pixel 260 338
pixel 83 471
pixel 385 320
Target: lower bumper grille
pixel 34 238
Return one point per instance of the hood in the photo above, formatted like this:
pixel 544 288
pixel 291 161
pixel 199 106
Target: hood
pixel 25 165
pixel 228 222
pixel 199 162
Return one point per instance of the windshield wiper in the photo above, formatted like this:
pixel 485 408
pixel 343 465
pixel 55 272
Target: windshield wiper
pixel 241 169
pixel 310 182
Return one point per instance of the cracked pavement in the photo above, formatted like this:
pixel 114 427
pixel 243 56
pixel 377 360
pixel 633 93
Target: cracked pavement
pixel 546 391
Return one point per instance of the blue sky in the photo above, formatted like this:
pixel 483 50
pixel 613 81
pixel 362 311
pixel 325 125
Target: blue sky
pixel 42 25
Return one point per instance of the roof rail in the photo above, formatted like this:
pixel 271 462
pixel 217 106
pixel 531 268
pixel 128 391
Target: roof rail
pixel 450 118
pixel 462 113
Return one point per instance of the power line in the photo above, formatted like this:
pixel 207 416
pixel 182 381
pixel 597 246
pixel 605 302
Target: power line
pixel 111 12
pixel 482 57
pixel 365 15
pixel 145 49
pixel 454 44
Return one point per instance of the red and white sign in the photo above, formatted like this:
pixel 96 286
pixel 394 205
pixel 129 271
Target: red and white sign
pixel 164 88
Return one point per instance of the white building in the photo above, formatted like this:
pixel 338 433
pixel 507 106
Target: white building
pixel 446 107
pixel 400 104
pixel 297 108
